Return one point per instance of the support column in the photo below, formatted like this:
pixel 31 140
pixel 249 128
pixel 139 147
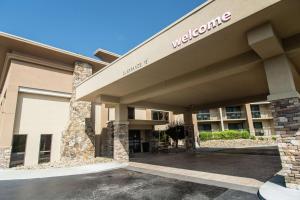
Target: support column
pixel 249 119
pixel 221 119
pixel 190 139
pixel 286 113
pixel 121 134
pixel 78 141
pixel 285 99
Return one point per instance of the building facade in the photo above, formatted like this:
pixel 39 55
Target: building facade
pixel 255 117
pixel 56 104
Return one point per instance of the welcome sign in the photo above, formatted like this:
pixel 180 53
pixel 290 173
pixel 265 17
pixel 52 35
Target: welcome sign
pixel 193 33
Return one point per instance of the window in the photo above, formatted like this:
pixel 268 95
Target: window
pixel 18 150
pixel 131 113
pixel 205 127
pixel 258 126
pixel 203 115
pixel 233 112
pixel 255 111
pixel 160 115
pixel 235 126
pixel 45 148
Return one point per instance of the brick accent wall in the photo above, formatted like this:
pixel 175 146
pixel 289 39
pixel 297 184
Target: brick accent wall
pixel 5 153
pixel 78 141
pixel 286 113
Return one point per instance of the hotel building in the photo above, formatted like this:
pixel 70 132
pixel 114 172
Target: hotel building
pixel 255 117
pixel 56 104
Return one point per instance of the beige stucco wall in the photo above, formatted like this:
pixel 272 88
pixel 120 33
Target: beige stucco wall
pixel 140 113
pixel 29 75
pixel 39 114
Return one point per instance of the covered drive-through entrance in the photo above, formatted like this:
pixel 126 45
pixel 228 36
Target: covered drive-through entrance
pixel 223 52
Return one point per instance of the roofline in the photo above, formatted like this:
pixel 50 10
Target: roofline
pixel 152 37
pixel 107 52
pixel 45 46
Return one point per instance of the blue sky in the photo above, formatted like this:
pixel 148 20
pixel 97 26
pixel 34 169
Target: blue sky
pixel 82 26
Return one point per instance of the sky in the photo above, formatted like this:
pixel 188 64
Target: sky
pixel 82 26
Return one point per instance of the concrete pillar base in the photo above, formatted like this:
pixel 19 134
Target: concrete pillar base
pixel 121 141
pixel 5 154
pixel 190 137
pixel 286 113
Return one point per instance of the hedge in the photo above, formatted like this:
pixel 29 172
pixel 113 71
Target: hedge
pixel 224 135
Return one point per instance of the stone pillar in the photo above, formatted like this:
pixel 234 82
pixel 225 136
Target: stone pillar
pixel 286 113
pixel 78 141
pixel 107 141
pixel 5 153
pixel 121 141
pixel 121 134
pixel 190 140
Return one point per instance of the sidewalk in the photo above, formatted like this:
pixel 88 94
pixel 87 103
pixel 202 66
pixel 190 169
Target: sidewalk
pixel 13 174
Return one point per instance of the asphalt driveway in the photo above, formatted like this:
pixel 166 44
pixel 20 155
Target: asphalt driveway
pixel 117 184
pixel 259 163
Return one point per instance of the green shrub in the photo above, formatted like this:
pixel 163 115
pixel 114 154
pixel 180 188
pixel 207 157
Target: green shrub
pixel 252 137
pixel 261 138
pixel 224 135
pixel 274 138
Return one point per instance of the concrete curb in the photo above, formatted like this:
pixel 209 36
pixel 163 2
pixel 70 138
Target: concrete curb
pixel 275 189
pixel 183 177
pixel 13 174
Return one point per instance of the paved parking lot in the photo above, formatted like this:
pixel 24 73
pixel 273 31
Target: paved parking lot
pixel 260 163
pixel 117 184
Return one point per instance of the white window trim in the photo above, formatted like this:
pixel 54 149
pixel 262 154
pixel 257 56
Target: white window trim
pixel 44 92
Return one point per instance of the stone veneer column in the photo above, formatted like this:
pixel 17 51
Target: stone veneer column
pixel 121 141
pixel 78 141
pixel 106 140
pixel 5 153
pixel 286 113
pixel 189 131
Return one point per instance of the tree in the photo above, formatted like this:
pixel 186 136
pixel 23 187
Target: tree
pixel 176 132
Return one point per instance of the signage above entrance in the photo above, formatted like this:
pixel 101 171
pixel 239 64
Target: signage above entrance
pixel 193 33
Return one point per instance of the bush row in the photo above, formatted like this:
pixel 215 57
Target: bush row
pixel 224 135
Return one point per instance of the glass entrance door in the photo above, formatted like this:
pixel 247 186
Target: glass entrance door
pixel 134 141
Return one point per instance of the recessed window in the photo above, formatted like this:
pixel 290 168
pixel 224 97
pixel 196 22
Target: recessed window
pixel 45 148
pixel 131 113
pixel 203 115
pixel 160 115
pixel 258 126
pixel 233 112
pixel 205 127
pixel 235 126
pixel 18 150
pixel 255 110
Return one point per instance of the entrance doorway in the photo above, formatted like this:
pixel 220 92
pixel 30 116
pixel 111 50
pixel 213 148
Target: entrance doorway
pixel 134 141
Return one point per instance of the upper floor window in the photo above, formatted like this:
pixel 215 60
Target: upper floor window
pixel 160 115
pixel 233 112
pixel 203 114
pixel 131 113
pixel 255 110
